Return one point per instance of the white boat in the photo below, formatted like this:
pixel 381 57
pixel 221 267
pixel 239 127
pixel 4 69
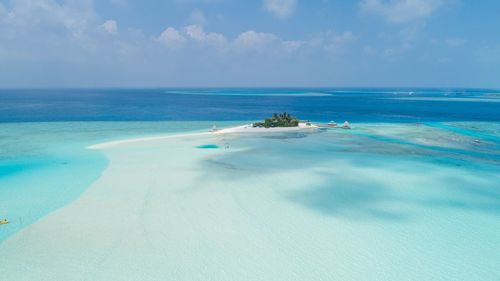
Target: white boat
pixel 332 123
pixel 346 125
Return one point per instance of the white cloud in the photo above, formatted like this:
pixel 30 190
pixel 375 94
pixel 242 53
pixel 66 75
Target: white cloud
pixel 171 38
pixel 174 38
pixel 74 17
pixel 342 38
pixel 293 45
pixel 109 26
pixel 401 11
pixel 196 33
pixel 197 17
pixel 280 8
pixel 255 40
pixel 69 33
pixel 329 42
pixel 56 28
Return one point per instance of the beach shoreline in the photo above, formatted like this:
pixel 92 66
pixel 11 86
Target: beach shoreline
pixel 242 129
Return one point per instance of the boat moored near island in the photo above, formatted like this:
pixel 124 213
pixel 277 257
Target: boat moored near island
pixel 282 122
pixel 332 123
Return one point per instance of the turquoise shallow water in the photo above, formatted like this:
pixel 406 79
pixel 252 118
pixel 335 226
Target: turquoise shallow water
pixel 208 146
pixel 379 202
pixel 411 202
pixel 44 166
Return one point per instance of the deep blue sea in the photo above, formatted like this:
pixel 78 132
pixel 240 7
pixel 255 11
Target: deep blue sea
pixel 318 104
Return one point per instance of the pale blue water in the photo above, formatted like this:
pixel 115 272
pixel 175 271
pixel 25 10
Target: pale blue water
pixel 408 166
pixel 422 201
pixel 44 166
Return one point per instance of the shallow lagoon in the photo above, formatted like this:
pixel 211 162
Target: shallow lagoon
pixel 379 202
pixel 44 166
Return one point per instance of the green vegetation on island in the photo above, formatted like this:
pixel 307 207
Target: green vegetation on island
pixel 278 120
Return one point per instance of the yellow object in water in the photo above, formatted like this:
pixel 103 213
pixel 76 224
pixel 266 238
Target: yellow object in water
pixel 5 221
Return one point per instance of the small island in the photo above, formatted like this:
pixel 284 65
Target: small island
pixel 278 120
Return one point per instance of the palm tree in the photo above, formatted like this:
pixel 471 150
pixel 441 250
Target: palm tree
pixel 278 120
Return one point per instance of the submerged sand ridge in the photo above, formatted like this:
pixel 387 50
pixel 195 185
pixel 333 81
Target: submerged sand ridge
pixel 149 217
pixel 256 207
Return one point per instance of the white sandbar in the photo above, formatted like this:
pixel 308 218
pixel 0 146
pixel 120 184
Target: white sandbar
pixel 233 130
pixel 250 129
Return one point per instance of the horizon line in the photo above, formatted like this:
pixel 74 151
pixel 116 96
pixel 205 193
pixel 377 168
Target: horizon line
pixel 251 87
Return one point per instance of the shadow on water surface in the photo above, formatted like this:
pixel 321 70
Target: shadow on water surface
pixel 475 192
pixel 284 136
pixel 367 197
pixel 338 180
pixel 352 200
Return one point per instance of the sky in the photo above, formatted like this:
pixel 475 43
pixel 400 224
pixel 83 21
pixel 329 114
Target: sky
pixel 259 43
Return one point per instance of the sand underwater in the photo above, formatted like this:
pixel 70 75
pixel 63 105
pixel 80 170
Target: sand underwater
pixel 378 202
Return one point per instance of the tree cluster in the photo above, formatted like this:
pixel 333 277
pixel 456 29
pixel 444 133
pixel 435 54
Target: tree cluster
pixel 278 120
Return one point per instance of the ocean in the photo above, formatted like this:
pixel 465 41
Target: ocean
pixel 411 192
pixel 360 105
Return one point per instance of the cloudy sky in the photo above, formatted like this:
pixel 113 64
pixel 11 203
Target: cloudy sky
pixel 168 43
